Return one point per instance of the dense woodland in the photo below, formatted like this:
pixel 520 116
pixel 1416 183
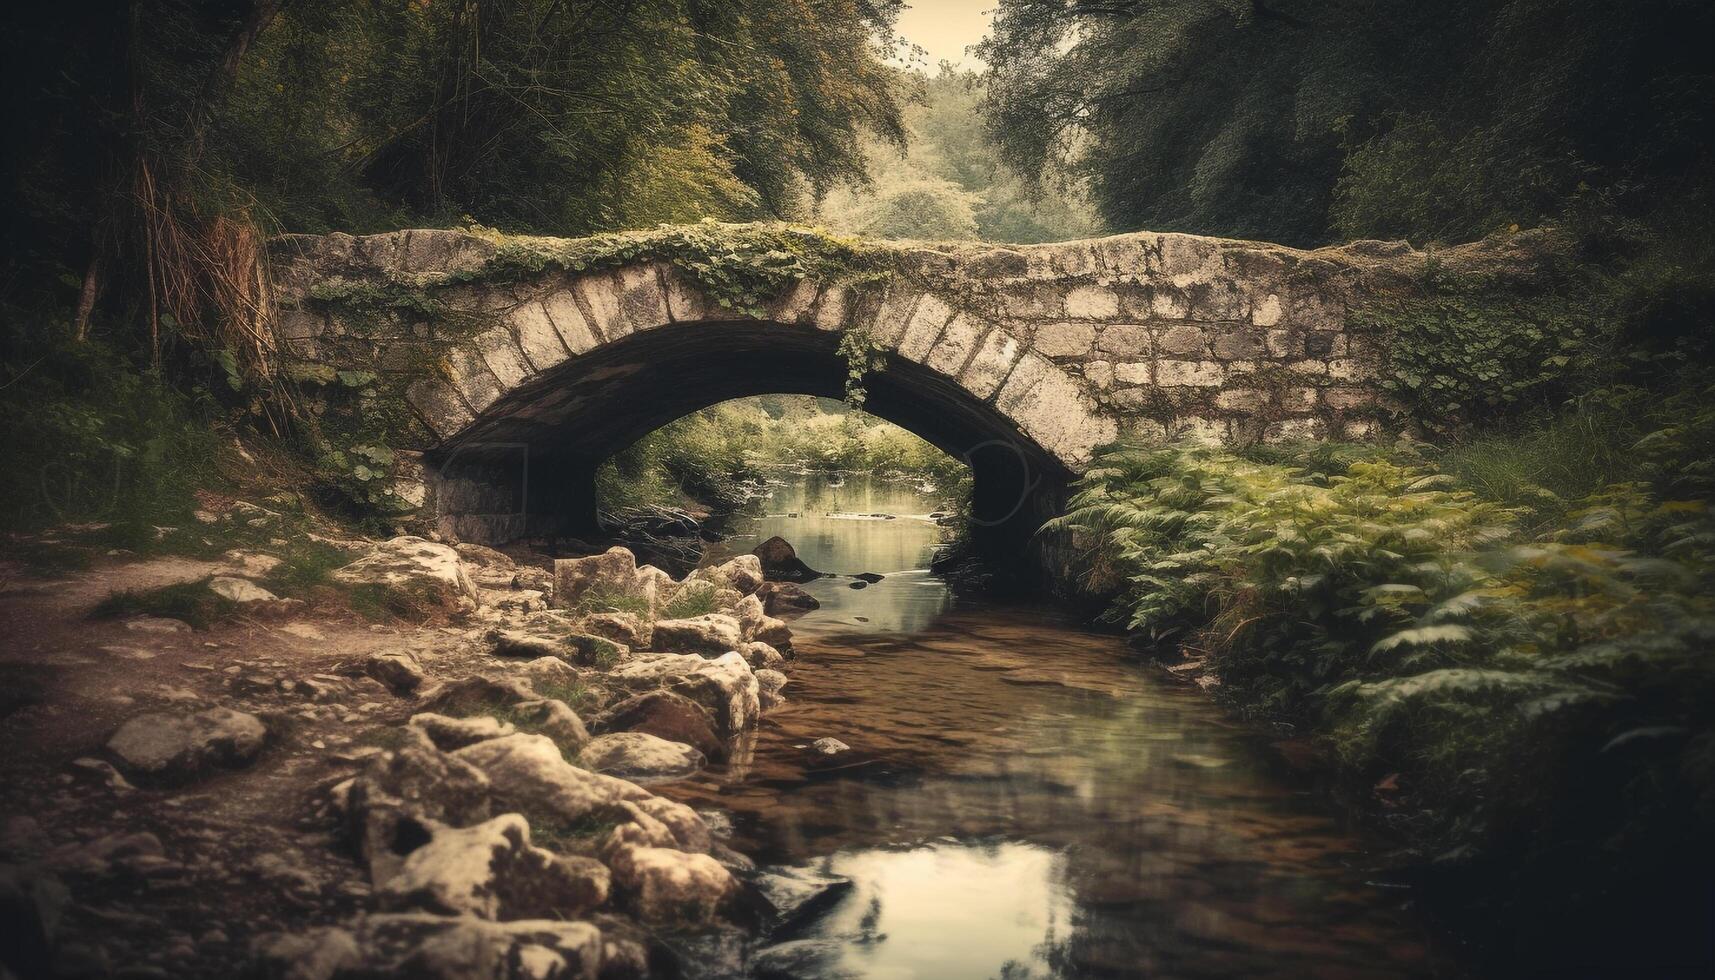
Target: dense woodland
pixel 1501 625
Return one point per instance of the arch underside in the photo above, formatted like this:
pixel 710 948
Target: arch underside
pixel 566 420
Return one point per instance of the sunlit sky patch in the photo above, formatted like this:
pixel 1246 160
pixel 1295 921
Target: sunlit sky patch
pixel 944 28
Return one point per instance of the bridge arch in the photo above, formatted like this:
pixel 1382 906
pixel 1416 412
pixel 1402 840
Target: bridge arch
pixel 514 379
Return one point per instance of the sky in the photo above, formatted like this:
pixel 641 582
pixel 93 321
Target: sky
pixel 945 27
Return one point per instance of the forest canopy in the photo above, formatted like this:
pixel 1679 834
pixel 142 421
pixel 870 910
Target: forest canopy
pixel 1308 121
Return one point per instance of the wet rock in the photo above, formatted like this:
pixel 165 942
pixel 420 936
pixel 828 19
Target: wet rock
pixel 450 734
pixel 796 896
pixel 492 871
pixel 397 669
pixel 743 573
pixel 712 634
pixel 621 627
pixel 434 947
pixel 727 687
pixel 639 755
pixel 780 561
pixel 667 715
pixel 769 684
pixel 415 567
pixel 828 747
pixel 779 598
pixel 666 886
pixel 870 577
pixel 390 806
pixel 761 655
pixel 610 577
pixel 239 590
pixel 183 746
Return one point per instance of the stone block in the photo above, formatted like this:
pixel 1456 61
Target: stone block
pixel 537 337
pixel 574 329
pixel 895 312
pixel 1346 399
pixel 601 297
pixel 470 374
pixel 1135 373
pixel 1192 374
pixel 1065 339
pixel 1181 340
pixel 299 324
pixel 1092 303
pixel 642 299
pixel 1242 400
pixel 439 405
pixel 991 364
pixel 798 304
pixel 1235 343
pixel 1125 340
pixel 500 352
pixel 1267 311
pixel 1100 373
pixel 924 327
pixel 832 307
pixel 956 345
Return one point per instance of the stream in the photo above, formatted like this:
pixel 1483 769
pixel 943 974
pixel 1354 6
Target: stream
pixel 1021 798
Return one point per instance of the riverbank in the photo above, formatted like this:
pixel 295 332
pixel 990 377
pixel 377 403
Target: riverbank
pixel 1516 688
pixel 447 776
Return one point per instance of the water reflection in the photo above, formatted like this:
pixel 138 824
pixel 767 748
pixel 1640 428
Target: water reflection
pixel 831 522
pixel 1021 801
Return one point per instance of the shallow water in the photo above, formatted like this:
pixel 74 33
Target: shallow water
pixel 1022 800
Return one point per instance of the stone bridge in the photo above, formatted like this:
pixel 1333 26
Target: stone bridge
pixel 512 380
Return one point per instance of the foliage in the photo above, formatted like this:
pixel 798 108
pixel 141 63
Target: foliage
pixel 1541 689
pixel 92 438
pixel 709 454
pixel 191 602
pixel 947 182
pixel 1458 356
pixel 693 599
pixel 1301 121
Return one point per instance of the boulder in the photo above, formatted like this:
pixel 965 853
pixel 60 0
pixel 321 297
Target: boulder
pixel 555 719
pixel 670 887
pixel 469 695
pixel 727 687
pixel 756 626
pixel 239 590
pixel 595 651
pixel 632 630
pixel 434 947
pixel 639 755
pixel 779 561
pixel 769 684
pixel 393 803
pixel 449 734
pixel 398 669
pixel 33 901
pixel 610 581
pixel 743 573
pixel 514 643
pixel 796 896
pixel 712 634
pixel 664 714
pixel 183 746
pixel 761 655
pixel 828 747
pixel 781 598
pixel 492 871
pixel 412 566
pixel 527 772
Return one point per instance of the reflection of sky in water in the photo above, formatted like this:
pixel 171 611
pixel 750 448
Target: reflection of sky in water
pixel 1023 801
pixel 944 912
pixel 907 599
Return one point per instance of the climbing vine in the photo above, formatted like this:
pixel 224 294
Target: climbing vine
pixel 1459 353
